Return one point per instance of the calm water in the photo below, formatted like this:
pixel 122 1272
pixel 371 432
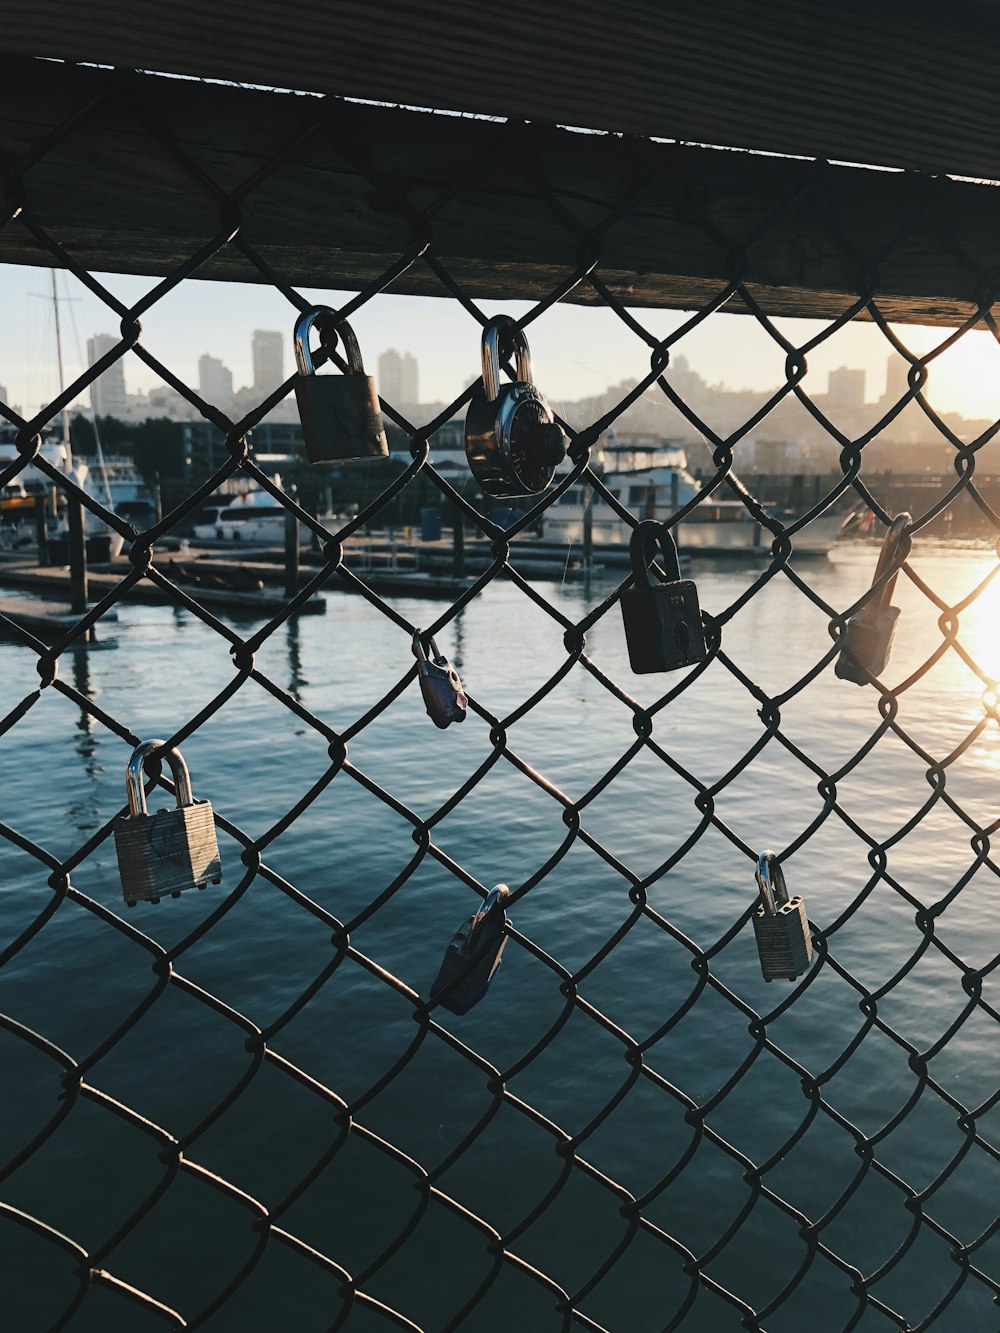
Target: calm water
pixel 77 980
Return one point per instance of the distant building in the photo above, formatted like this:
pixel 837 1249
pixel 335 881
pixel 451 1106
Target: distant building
pixel 897 369
pixel 846 387
pixel 107 393
pixel 399 377
pixel 205 447
pixel 268 361
pixel 215 382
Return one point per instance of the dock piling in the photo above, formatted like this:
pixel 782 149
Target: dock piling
pixel 42 528
pixel 291 554
pixel 458 542
pixel 77 556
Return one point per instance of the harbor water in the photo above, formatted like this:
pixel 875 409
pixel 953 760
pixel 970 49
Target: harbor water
pixel 78 979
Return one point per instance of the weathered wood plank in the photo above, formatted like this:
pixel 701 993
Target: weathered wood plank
pixel 903 83
pixel 806 235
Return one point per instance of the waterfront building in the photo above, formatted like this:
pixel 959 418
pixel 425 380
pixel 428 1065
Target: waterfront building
pixel 846 387
pixel 215 381
pixel 268 348
pixel 107 393
pixel 399 377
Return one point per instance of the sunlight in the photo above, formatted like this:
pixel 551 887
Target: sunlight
pixel 965 378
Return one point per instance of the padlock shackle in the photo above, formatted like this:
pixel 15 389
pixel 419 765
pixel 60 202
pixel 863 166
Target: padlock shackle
pixel 300 340
pixel 503 325
pixel 895 548
pixel 134 775
pixel 646 536
pixel 496 898
pixel 771 882
pixel 419 651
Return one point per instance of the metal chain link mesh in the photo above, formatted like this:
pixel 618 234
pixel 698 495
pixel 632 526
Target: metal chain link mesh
pixel 808 1240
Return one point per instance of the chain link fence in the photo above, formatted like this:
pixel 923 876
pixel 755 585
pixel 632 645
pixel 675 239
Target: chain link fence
pixel 442 1211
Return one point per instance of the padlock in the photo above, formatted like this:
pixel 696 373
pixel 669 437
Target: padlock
pixel 663 625
pixel 780 924
pixel 512 440
pixel 170 850
pixel 473 956
pixel 867 640
pixel 440 684
pixel 341 415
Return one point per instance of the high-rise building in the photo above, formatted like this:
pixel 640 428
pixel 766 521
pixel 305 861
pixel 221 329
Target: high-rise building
pixel 399 377
pixel 409 380
pixel 846 387
pixel 215 381
pixel 107 393
pixel 268 360
pixel 897 368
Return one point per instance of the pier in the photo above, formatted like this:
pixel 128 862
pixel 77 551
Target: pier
pixel 45 620
pixel 57 582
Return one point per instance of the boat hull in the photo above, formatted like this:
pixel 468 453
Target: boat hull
pixel 729 536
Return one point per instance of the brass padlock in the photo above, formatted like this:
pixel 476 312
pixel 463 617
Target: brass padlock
pixel 341 415
pixel 663 625
pixel 473 956
pixel 440 684
pixel 170 850
pixel 867 639
pixel 780 924
pixel 512 440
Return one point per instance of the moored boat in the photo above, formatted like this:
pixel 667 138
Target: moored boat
pixel 653 482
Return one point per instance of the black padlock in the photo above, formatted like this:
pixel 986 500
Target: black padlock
pixel 512 440
pixel 663 625
pixel 341 415
pixel 440 684
pixel 473 956
pixel 867 639
pixel 780 925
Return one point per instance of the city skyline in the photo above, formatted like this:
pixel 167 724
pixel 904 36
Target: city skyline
pixel 577 351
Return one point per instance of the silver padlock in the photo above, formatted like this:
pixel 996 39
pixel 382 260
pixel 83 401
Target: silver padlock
pixel 341 415
pixel 170 850
pixel 780 924
pixel 867 639
pixel 512 440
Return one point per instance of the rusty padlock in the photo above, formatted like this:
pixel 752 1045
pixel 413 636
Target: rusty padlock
pixel 440 684
pixel 341 415
pixel 170 850
pixel 512 440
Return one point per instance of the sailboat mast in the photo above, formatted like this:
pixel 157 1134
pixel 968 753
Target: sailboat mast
pixel 62 376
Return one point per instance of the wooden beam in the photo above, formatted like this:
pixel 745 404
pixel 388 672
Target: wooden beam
pixel 902 83
pixel 509 210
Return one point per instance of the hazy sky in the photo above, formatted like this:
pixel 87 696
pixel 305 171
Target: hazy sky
pixel 577 351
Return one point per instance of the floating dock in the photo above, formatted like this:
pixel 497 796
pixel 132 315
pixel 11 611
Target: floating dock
pixel 45 620
pixel 55 581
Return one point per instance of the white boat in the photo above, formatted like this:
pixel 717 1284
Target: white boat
pixel 653 481
pixel 33 481
pixel 252 516
pixel 130 496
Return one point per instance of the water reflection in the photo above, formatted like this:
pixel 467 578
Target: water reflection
pixel 349 844
pixel 296 676
pixel 87 743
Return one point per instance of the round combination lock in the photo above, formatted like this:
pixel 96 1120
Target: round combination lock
pixel 512 441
